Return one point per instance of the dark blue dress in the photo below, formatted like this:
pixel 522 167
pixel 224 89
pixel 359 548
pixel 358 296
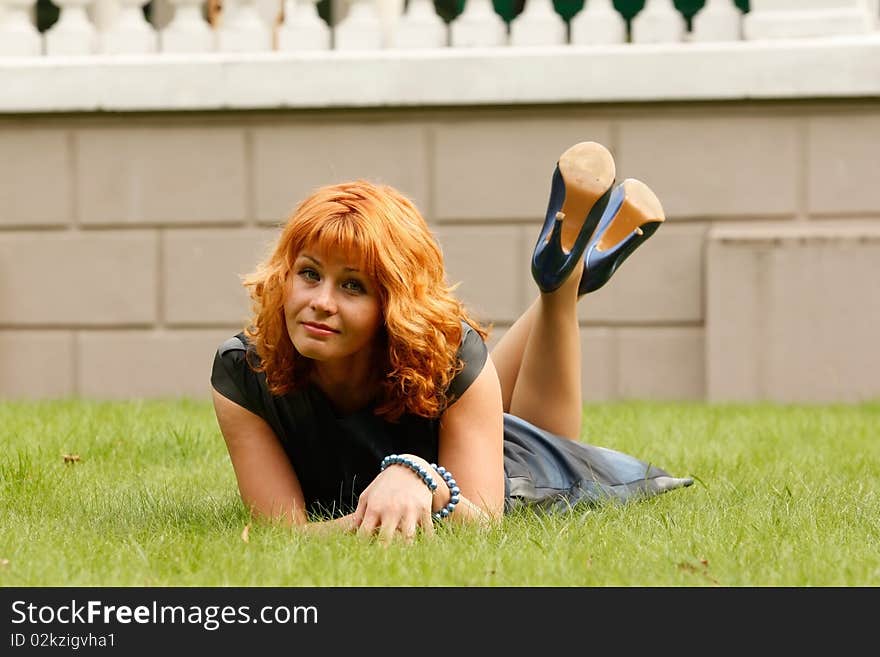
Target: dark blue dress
pixel 336 456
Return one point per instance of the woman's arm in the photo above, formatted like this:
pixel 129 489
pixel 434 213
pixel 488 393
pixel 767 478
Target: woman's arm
pixel 472 448
pixel 267 482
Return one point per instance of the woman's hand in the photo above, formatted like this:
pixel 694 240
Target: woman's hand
pixel 396 501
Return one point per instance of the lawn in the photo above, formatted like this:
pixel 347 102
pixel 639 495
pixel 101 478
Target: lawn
pixel 143 494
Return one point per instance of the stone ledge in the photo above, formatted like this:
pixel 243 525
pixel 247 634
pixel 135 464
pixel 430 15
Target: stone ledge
pixel 797 231
pixel 779 69
pixel 792 313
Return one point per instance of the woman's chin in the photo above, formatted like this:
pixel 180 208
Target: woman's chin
pixel 309 351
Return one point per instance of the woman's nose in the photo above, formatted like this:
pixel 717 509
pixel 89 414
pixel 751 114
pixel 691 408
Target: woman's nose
pixel 323 299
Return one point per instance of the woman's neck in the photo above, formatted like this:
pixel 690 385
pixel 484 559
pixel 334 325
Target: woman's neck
pixel 349 386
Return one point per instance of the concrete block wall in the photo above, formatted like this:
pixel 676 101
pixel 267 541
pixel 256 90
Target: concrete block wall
pixel 122 237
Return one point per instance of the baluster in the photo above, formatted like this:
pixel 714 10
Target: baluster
pixel 242 29
pixel 188 31
pixel 421 27
pixel 478 25
pixel 598 23
pixel 658 22
pixel 130 32
pixel 718 20
pixel 361 29
pixel 18 36
pixel 538 25
pixel 390 12
pixel 303 28
pixel 73 32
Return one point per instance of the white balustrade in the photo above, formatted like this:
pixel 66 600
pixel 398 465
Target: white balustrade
pixel 658 22
pixel 18 36
pixel 303 28
pixel 598 23
pixel 538 25
pixel 130 32
pixel 243 29
pixel 478 25
pixel 361 29
pixel 118 26
pixel 784 19
pixel 188 30
pixel 73 32
pixel 718 20
pixel 420 27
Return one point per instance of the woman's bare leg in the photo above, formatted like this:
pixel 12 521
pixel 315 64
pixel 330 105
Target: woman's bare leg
pixel 539 362
pixel 507 354
pixel 539 358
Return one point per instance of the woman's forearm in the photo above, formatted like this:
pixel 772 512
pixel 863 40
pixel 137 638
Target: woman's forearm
pixel 465 510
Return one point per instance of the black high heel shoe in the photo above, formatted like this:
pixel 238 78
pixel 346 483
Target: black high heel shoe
pixel 632 215
pixel 579 192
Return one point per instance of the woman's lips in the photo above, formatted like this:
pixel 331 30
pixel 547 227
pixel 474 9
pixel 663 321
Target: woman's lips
pixel 318 329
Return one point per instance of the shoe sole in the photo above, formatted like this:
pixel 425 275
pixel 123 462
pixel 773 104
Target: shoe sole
pixel 640 207
pixel 588 170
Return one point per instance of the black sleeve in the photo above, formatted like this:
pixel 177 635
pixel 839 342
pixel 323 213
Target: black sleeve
pixel 233 378
pixel 473 352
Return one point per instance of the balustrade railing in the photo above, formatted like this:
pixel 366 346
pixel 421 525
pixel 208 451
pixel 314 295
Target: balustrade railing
pixel 94 27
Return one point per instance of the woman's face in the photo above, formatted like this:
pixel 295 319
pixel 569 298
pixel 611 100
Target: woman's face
pixel 331 308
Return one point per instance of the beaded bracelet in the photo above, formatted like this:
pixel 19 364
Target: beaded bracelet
pixel 454 491
pixel 394 459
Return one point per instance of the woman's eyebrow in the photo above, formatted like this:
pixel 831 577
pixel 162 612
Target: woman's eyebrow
pixel 318 262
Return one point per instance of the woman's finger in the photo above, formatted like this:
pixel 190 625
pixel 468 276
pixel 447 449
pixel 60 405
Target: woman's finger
pixel 387 528
pixel 408 525
pixel 426 522
pixel 350 523
pixel 368 524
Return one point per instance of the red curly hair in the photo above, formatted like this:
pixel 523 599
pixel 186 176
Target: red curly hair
pixel 379 228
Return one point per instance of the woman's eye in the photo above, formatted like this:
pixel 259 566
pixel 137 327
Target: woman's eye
pixel 309 274
pixel 353 286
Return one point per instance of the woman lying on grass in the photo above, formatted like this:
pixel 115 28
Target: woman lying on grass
pixel 361 395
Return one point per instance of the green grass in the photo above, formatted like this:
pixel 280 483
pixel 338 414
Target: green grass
pixel 784 496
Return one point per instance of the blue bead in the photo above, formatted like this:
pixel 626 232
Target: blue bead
pixel 455 490
pixel 454 500
pixel 444 512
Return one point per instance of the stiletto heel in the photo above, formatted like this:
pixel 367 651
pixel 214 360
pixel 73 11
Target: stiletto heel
pixel 632 215
pixel 579 191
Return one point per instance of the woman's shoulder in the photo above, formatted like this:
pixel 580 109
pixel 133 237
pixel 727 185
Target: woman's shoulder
pixel 237 350
pixel 472 347
pixel 233 374
pixel 472 353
